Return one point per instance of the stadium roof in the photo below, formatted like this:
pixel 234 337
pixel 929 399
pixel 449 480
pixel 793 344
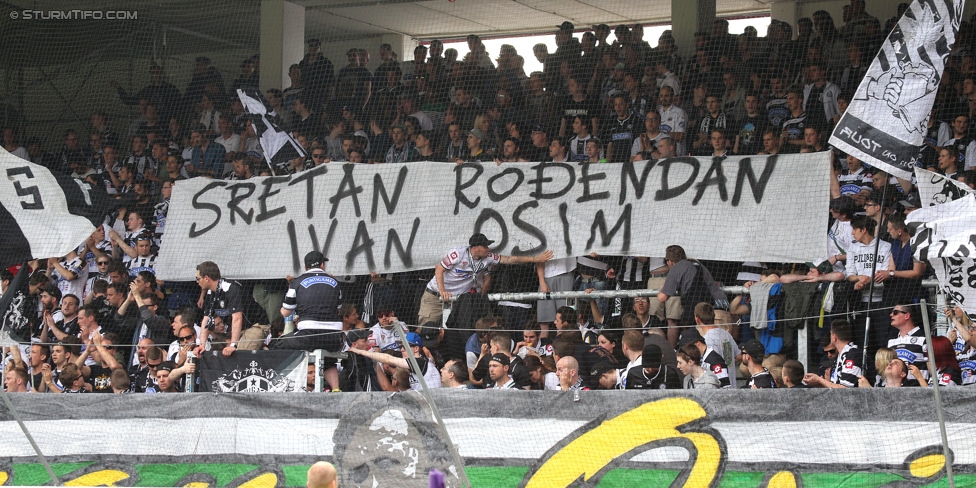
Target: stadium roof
pixel 430 19
pixel 218 24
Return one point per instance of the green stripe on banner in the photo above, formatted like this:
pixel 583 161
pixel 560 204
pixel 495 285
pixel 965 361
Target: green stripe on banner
pixel 171 474
pixel 35 474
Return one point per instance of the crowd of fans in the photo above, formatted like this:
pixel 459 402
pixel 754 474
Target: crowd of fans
pixel 594 101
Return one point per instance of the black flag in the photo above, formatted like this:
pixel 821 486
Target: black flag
pixel 279 146
pixel 44 214
pixel 252 371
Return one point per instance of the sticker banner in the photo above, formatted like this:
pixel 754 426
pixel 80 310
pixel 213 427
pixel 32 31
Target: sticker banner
pixel 936 189
pixel 945 238
pixel 887 119
pixel 399 217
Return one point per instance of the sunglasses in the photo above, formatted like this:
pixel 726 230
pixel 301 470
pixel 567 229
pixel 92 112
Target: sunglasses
pixel 896 312
pixel 186 338
pixel 102 263
pixel 153 366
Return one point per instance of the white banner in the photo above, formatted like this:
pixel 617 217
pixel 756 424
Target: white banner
pixel 391 218
pixel 936 189
pixel 887 119
pixel 945 238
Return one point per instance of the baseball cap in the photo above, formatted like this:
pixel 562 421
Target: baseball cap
pixel 690 336
pixel 501 359
pixel 620 66
pixel 753 348
pixel 315 259
pixel 479 240
pixel 600 368
pixel 480 134
pixel 567 26
pixel 539 128
pixel 356 334
pixel 651 357
pixel 414 339
pixel 166 366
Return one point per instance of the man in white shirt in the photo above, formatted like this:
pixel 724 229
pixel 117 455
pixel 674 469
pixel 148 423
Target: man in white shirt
pixel 673 118
pixel 463 270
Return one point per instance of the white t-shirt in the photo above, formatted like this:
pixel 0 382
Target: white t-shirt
pixel 718 339
pixel 462 272
pixel 76 286
pixel 839 241
pixel 859 260
pixel 674 119
pixel 382 338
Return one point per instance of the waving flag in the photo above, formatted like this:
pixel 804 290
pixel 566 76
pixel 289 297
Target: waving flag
pixel 44 214
pixel 887 118
pixel 279 146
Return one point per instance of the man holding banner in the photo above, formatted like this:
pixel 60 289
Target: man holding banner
pixel 464 270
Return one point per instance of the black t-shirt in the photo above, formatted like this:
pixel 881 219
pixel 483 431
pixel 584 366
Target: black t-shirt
pixel 750 134
pixel 666 378
pixel 762 380
pixel 794 129
pixel 314 296
pixel 816 117
pixel 100 378
pixel 224 302
pixel 141 382
pixel 569 109
pixel 620 134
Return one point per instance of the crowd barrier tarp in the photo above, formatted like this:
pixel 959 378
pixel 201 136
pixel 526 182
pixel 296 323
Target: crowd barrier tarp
pixel 399 217
pixel 810 438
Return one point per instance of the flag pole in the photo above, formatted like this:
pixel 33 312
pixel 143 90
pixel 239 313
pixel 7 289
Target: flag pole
pixel 874 269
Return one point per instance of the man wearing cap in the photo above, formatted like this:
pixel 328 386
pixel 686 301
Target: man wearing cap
pixel 847 367
pixel 432 378
pixel 498 367
pixel 710 359
pixel 358 372
pixel 539 150
pixel 315 297
pixel 464 270
pixel 753 353
pixel 653 374
pixel 567 369
pixel 606 375
pixel 476 153
pixel 165 379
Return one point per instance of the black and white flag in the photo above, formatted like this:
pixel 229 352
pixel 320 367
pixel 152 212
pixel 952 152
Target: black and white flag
pixel 43 214
pixel 887 118
pixel 945 238
pixel 279 146
pixel 253 371
pixel 936 189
